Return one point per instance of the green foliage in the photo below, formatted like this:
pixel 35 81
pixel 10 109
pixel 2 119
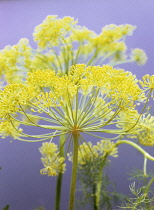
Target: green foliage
pixel 7 207
pixel 143 197
pixel 142 200
pixel 139 175
pixel 88 179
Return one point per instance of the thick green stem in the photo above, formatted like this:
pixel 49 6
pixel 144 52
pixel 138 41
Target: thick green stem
pixel 58 191
pixel 60 175
pixel 74 171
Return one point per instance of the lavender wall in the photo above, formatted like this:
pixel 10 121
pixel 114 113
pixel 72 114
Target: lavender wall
pixel 21 185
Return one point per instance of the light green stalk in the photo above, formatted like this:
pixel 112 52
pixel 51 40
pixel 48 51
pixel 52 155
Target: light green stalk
pixel 145 154
pixel 60 175
pixel 74 171
pixel 99 183
pixel 137 147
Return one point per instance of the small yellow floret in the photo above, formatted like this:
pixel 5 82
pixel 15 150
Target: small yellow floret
pixel 7 129
pixel 146 130
pixel 147 81
pixel 86 153
pixel 52 30
pixel 139 56
pixel 13 96
pixel 89 153
pixel 13 59
pixel 107 147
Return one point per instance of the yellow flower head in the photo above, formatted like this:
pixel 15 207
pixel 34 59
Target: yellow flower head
pixel 145 132
pixel 110 35
pixel 82 34
pixel 62 43
pixel 52 30
pixel 147 82
pixel 13 96
pixel 53 163
pixel 6 129
pixel 139 56
pixel 86 153
pixel 85 99
pixel 13 59
pixel 106 147
pixel 89 153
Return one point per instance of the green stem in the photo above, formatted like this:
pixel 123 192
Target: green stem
pixel 136 146
pixel 58 191
pixel 94 197
pixel 146 191
pixel 98 189
pixel 99 182
pixel 146 156
pixel 60 175
pixel 145 166
pixel 149 185
pixel 74 171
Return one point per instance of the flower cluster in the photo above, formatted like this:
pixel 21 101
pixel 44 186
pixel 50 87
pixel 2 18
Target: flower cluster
pixel 53 30
pixel 139 56
pixel 59 86
pixel 147 82
pixel 51 160
pixel 89 153
pixel 14 61
pixel 61 43
pixel 86 99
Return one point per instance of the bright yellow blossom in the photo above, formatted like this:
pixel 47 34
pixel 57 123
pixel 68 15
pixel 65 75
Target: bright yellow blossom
pixel 6 129
pixel 50 88
pixel 51 160
pixel 82 34
pixel 145 132
pixel 52 30
pixel 61 43
pixel 89 153
pixel 85 99
pixel 13 96
pixel 13 60
pixel 106 147
pixel 86 153
pixel 147 82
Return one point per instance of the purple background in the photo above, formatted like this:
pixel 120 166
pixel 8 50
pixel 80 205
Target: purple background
pixel 21 185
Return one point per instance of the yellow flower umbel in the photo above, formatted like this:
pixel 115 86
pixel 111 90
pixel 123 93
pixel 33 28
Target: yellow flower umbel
pixel 14 61
pixel 139 56
pixel 51 160
pixel 53 30
pixel 90 100
pixel 50 88
pixel 86 100
pixel 61 43
pixel 90 154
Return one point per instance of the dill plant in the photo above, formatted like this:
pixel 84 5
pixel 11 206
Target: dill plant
pixel 143 198
pixel 60 88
